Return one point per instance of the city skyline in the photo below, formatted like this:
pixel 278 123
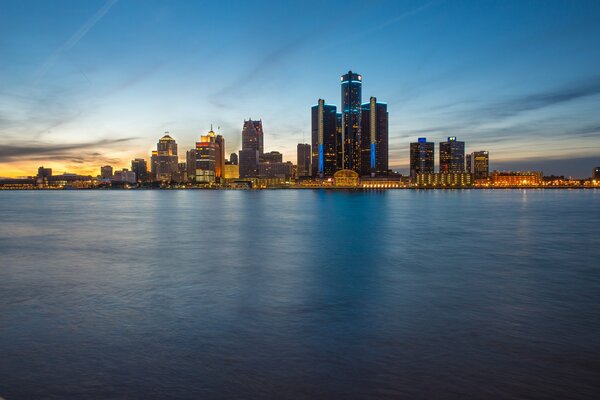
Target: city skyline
pixel 76 97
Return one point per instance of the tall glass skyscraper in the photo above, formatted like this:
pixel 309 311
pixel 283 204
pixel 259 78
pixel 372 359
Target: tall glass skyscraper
pixel 324 143
pixel 374 138
pixel 452 155
pixel 422 157
pixel 351 127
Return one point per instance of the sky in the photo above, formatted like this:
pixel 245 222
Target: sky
pixel 96 82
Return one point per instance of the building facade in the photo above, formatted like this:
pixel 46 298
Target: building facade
pixel 422 157
pixel 140 168
pixel 443 180
pixel 324 139
pixel 210 161
pixel 303 160
pixel 351 121
pixel 253 136
pixel 165 161
pixel 452 156
pixel 374 138
pixel 248 166
pixel 479 164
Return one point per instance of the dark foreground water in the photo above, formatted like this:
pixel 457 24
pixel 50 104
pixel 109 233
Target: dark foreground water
pixel 300 294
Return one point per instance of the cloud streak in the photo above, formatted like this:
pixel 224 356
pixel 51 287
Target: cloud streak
pixel 43 150
pixel 74 39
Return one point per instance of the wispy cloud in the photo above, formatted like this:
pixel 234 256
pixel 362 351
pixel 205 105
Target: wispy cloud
pixel 74 39
pixel 40 151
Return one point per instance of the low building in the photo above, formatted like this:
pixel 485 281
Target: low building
pixel 443 180
pixel 516 178
pixel 279 169
pixel 124 176
pixel 232 171
pixel 346 178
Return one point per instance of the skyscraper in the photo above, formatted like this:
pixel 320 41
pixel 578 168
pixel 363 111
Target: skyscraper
pixel 351 126
pixel 248 163
pixel 324 146
pixel 303 160
pixel 210 161
pixel 452 155
pixel 233 159
pixel 166 158
pixel 140 167
pixel 374 138
pixel 252 136
pixel 422 157
pixel 479 164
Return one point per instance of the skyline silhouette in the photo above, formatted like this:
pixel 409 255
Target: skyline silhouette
pixel 98 82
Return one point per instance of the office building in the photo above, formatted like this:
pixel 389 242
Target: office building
pixel 478 164
pixel 275 170
pixel 165 160
pixel 351 125
pixel 422 157
pixel 44 172
pixel 248 166
pixel 324 145
pixel 374 138
pixel 252 136
pixel 124 176
pixel 106 172
pixel 210 161
pixel 271 157
pixel 452 156
pixel 596 173
pixel 140 168
pixel 233 159
pixel 232 171
pixel 303 160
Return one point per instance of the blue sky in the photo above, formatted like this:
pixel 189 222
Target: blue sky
pixel 87 83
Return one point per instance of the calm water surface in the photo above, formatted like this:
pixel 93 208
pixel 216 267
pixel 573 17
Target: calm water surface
pixel 300 294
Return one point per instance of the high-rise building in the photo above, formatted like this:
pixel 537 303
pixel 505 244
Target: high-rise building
pixel 106 172
pixel 324 146
pixel 140 168
pixel 339 140
pixel 166 158
pixel 596 173
pixel 374 138
pixel 478 164
pixel 452 155
pixel 252 136
pixel 303 160
pixel 190 164
pixel 422 157
pixel 233 159
pixel 248 167
pixel 351 126
pixel 210 158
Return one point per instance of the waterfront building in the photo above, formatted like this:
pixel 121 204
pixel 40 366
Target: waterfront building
pixel 125 176
pixel 346 178
pixel 166 159
pixel 232 171
pixel 106 172
pixel 44 172
pixel 351 125
pixel 233 159
pixel 303 160
pixel 252 136
pixel 210 161
pixel 596 173
pixel 268 170
pixel 422 157
pixel 248 166
pixel 140 168
pixel 452 155
pixel 190 164
pixel 324 144
pixel 443 180
pixel 479 164
pixel 374 138
pixel 517 178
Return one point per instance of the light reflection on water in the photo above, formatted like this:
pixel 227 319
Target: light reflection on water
pixel 299 294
